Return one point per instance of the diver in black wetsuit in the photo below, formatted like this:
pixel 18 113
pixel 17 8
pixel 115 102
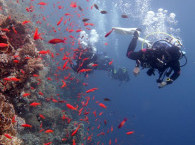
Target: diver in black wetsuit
pixel 120 74
pixel 88 59
pixel 83 58
pixel 163 56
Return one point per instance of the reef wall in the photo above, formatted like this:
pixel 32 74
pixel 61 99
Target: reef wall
pixel 23 81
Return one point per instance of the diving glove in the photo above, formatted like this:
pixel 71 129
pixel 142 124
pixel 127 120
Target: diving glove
pixel 162 84
pixel 136 71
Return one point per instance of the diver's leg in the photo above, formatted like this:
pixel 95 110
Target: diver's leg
pixel 130 51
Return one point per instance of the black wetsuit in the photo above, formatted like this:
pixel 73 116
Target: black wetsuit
pixel 84 57
pixel 120 75
pixel 161 56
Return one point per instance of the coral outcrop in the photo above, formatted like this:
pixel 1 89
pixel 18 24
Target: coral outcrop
pixel 23 71
pixel 19 60
pixel 7 112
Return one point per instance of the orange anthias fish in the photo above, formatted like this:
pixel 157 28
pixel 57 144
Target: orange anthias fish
pixel 14 29
pixel 42 3
pixel 26 125
pixel 90 24
pixel 67 14
pixel 111 129
pixel 44 51
pixel 40 115
pixel 73 142
pixel 65 64
pixel 115 140
pixel 16 61
pixel 7 136
pixel 73 4
pixel 75 131
pixel 12 79
pixel 40 93
pixel 34 104
pixel 91 90
pixel 36 35
pixel 95 113
pixel 59 22
pixel 35 75
pixel 84 70
pixel 100 113
pixel 5 30
pixel 25 22
pixel 122 123
pixel 71 107
pixel 55 41
pixel 14 119
pixel 26 94
pixel 102 105
pixel 130 132
pixel 49 79
pixel 64 84
pixel 3 45
pixel 48 143
pixel 110 62
pixel 95 65
pixel 101 133
pixel 107 34
pixel 110 142
pixel 49 131
pixel 79 30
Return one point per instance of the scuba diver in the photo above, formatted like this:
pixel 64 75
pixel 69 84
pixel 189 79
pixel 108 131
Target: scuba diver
pixel 120 74
pixel 83 59
pixel 164 56
pixel 87 58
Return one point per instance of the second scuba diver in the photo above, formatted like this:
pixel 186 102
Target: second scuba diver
pixel 86 57
pixel 163 56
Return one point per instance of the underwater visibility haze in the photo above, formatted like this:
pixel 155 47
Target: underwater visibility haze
pixel 65 78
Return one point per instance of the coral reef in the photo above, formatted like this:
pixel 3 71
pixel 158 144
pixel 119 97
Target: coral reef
pixel 18 61
pixel 22 71
pixel 13 141
pixel 7 112
pixel 7 126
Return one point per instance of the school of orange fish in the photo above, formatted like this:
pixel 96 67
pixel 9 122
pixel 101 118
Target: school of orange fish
pixel 68 26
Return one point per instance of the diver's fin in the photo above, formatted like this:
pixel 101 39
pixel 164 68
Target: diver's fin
pixel 131 31
pixel 126 30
